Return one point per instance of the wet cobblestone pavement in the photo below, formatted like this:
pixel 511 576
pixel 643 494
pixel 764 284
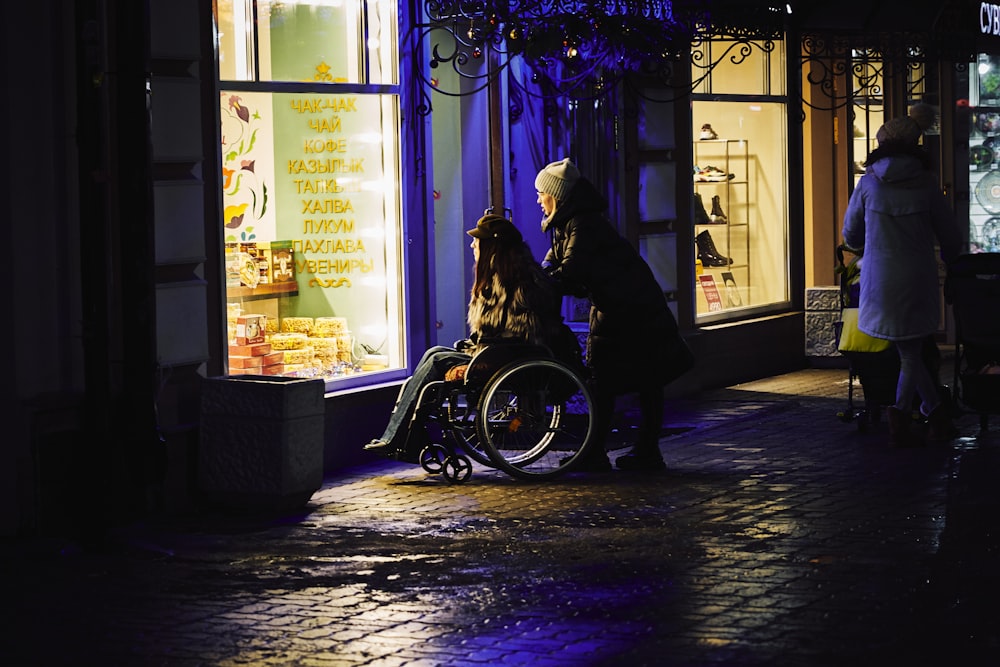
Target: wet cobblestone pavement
pixel 779 535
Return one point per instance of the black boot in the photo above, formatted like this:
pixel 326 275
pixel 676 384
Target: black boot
pixel 708 253
pixel 940 428
pixel 642 459
pixel 700 214
pixel 595 458
pixel 645 456
pixel 717 216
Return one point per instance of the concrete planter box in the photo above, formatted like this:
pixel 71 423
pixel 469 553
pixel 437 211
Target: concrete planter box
pixel 261 441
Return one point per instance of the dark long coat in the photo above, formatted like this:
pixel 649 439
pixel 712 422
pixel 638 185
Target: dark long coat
pixel 633 341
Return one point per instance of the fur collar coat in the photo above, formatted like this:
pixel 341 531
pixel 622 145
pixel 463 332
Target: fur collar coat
pixel 528 310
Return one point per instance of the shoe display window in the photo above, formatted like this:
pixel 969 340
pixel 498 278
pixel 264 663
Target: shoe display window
pixel 739 186
pixel 311 179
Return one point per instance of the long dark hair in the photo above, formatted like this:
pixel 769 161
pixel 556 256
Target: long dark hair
pixel 504 260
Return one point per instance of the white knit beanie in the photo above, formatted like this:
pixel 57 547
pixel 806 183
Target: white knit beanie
pixel 557 179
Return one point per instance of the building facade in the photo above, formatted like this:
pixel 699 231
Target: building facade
pixel 195 170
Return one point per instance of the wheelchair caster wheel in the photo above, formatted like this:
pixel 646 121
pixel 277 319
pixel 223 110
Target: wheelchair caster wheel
pixel 457 469
pixel 432 458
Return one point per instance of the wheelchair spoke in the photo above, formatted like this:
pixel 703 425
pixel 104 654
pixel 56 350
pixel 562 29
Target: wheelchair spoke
pixel 534 418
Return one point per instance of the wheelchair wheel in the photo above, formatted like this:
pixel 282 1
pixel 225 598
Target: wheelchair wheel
pixel 462 428
pixel 534 418
pixel 432 458
pixel 457 469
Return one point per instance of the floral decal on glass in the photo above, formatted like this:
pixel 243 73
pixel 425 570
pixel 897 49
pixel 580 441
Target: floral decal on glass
pixel 245 195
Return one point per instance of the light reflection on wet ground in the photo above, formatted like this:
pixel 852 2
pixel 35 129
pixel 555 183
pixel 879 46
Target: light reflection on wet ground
pixel 769 541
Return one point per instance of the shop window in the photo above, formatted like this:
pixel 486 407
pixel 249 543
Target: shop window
pixel 325 41
pixel 740 179
pixel 311 184
pixel 984 154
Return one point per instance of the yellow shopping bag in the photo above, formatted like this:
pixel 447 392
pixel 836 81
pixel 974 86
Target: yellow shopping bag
pixel 853 339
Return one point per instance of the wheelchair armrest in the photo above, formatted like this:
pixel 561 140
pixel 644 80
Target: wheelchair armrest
pixel 496 355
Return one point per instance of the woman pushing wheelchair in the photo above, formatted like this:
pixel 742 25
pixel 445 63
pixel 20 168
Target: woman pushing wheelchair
pixel 512 298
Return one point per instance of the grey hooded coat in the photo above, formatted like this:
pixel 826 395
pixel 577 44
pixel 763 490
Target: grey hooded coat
pixel 895 216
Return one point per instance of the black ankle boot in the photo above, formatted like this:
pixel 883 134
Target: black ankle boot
pixel 646 459
pixel 591 462
pixel 717 216
pixel 708 253
pixel 700 214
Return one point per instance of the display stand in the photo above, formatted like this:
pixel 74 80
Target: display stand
pixel 722 229
pixel 984 180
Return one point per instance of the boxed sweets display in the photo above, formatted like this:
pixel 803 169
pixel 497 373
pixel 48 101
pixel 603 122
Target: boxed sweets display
pixel 250 329
pixel 232 267
pixel 281 261
pixel 233 311
pixel 329 326
pixel 302 356
pixel 247 265
pixel 253 350
pixel 244 363
pixel 255 359
pixel 324 350
pixel 295 345
pixel 249 273
pixel 288 341
pixel 273 358
pixel 301 325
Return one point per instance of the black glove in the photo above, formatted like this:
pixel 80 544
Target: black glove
pixel 463 345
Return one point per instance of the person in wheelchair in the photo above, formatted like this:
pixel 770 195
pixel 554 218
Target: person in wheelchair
pixel 512 298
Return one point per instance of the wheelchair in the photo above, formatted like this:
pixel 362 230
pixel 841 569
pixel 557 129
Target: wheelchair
pixel 518 410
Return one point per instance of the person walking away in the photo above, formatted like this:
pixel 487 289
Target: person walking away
pixel 511 298
pixel 633 342
pixel 895 216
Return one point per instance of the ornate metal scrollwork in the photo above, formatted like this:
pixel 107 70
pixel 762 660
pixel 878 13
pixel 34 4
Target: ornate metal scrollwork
pixel 582 49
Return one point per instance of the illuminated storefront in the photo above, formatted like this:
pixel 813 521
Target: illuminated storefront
pixel 310 142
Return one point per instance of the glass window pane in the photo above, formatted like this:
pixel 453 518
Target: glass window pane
pixel 234 32
pixel 318 41
pixel 739 67
pixel 984 155
pixel 311 200
pixel 383 42
pixel 310 40
pixel 741 232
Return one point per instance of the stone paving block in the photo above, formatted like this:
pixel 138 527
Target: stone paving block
pixel 778 536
